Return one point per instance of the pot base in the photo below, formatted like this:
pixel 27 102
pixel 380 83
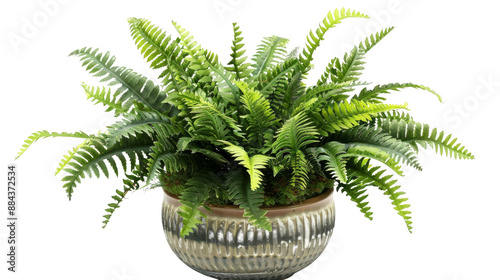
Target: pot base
pixel 246 276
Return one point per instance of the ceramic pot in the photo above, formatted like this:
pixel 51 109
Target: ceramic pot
pixel 226 246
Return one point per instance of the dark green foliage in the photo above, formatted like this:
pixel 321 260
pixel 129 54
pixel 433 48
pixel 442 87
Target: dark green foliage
pixel 247 133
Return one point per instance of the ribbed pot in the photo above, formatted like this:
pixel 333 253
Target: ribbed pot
pixel 226 246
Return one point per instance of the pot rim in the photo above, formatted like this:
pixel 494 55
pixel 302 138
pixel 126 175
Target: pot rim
pixel 311 204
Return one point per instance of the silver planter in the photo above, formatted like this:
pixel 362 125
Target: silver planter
pixel 226 246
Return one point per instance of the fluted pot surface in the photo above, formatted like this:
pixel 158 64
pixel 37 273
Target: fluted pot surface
pixel 226 246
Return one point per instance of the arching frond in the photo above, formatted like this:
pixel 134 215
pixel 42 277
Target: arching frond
pixel 368 151
pixel 132 86
pixel 374 137
pixel 357 193
pixel 45 134
pixel 332 154
pixel 364 174
pixel 345 115
pixel 105 97
pixel 92 159
pixel 417 134
pixel 374 95
pixel 129 185
pixel 193 197
pixel 314 39
pixel 241 193
pixel 139 123
pixel 162 52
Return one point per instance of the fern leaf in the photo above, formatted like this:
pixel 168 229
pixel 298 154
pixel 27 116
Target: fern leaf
pixel 374 39
pixel 252 164
pixel 374 95
pixel 91 159
pixel 196 56
pixel 101 95
pixel 131 183
pixel 139 123
pixel 162 52
pixel 268 82
pixel 295 134
pixel 331 153
pixel 376 138
pixel 350 69
pixel 133 86
pixel 417 134
pixel 45 134
pixel 365 174
pixel 314 39
pixel 193 197
pixel 260 117
pixel 357 194
pixel 270 52
pixel 237 63
pixel 367 151
pixel 241 193
pixel 164 158
pixel 345 115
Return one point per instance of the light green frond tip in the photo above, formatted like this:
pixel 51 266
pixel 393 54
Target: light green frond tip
pixel 252 164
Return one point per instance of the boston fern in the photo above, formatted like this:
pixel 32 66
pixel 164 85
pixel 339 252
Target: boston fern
pixel 250 133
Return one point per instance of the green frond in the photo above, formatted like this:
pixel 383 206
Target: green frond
pixel 345 115
pixel 350 69
pixel 332 154
pixel 188 144
pixel 312 156
pixel 132 86
pixel 224 80
pixel 139 123
pixel 252 164
pixel 130 184
pixel 362 173
pixel 193 197
pixel 105 97
pixel 374 137
pixel 206 118
pixel 165 158
pixel 357 194
pixel 368 151
pixel 374 95
pixel 417 134
pixel 268 82
pixel 270 52
pixel 314 39
pixel 237 64
pixel 295 88
pixel 92 159
pixel 68 157
pixel 196 56
pixel 260 117
pixel 162 52
pixel 295 135
pixel 374 39
pixel 45 134
pixel 249 200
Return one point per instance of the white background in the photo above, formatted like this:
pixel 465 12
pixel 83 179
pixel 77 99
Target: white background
pixel 449 46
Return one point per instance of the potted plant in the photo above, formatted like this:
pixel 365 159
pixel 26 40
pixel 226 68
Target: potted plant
pixel 248 154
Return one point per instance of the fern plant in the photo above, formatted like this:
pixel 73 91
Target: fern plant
pixel 251 133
